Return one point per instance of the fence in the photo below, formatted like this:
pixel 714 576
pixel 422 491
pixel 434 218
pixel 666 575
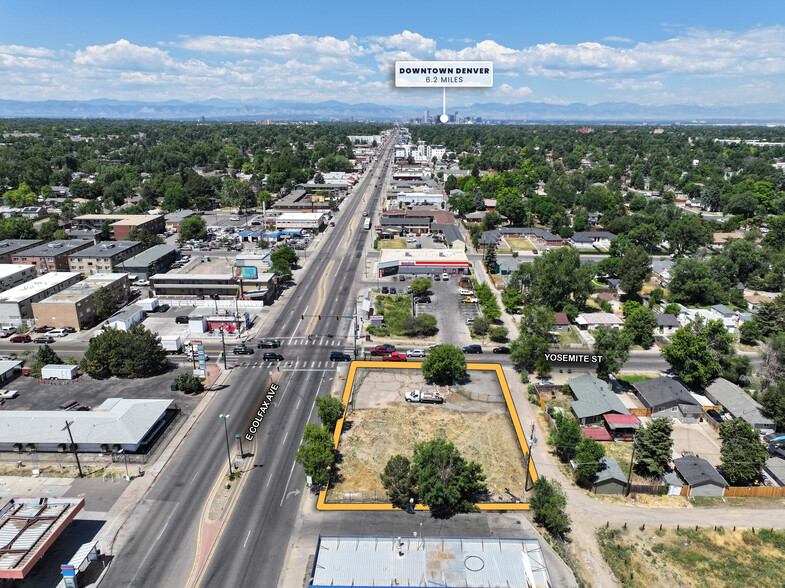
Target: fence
pixel 755 491
pixel 640 411
pixel 649 489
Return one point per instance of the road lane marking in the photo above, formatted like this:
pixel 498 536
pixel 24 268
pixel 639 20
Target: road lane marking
pixel 246 539
pixel 289 479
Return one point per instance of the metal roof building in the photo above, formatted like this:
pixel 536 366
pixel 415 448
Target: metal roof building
pixel 429 561
pixel 28 527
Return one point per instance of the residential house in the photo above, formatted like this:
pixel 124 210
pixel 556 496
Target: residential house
pixel 591 320
pixel 668 397
pixel 592 239
pixel 622 427
pixel 727 315
pixel 739 404
pixel 755 300
pixel 661 271
pixel 614 285
pixel 123 320
pixel 610 478
pixel 667 324
pixel 775 469
pixel 611 298
pixel 562 323
pixel 702 477
pixel 593 399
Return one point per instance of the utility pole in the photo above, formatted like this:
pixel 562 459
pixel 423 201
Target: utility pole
pixel 73 446
pixel 223 346
pixel 356 328
pixel 225 418
pixel 632 462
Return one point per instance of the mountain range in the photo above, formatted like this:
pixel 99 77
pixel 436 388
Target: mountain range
pixel 217 109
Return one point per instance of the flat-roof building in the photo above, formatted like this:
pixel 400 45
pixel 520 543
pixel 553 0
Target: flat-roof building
pixel 262 287
pixel 122 224
pixel 14 274
pixel 301 220
pixel 423 261
pixel 16 304
pixel 75 306
pixel 104 257
pixel 173 219
pixel 52 256
pixel 156 260
pixel 9 247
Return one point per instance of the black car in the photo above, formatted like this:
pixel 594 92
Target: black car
pixel 340 356
pixel 402 278
pixel 423 300
pixel 268 344
pixel 472 349
pixel 385 289
pixel 269 356
pixel 68 330
pixel 181 320
pixel 242 350
pixel 163 307
pixel 501 349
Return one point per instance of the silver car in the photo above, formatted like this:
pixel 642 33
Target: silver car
pixel 416 353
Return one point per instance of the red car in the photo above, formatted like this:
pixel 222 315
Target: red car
pixel 20 339
pixel 394 356
pixel 382 349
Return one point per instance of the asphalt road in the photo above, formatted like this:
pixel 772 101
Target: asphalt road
pixel 252 545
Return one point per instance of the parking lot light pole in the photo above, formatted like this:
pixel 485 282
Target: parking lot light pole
pixel 225 418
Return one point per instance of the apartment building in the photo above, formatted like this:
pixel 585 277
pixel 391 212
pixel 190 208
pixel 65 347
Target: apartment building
pixel 52 256
pixel 75 306
pixel 104 257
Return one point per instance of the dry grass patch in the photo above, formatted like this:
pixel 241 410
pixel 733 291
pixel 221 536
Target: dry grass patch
pixel 519 244
pixel 391 244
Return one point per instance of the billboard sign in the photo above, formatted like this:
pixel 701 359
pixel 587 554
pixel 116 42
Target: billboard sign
pixel 250 273
pixel 443 74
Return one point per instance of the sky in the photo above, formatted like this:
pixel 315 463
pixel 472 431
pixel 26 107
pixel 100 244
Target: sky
pixel 660 52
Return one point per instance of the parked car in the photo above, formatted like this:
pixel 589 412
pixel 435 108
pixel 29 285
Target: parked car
pixel 445 277
pixel 142 283
pixel 385 290
pixel 470 321
pixel 58 333
pixel 181 320
pixel 234 219
pixel 20 338
pixel 6 333
pixel 501 349
pixel 416 353
pixel 411 240
pixel 402 278
pixel 436 278
pixel 468 300
pixel 242 350
pixel 268 344
pixel 465 292
pixel 392 290
pixel 69 329
pixel 43 329
pixel 472 349
pixel 163 307
pixel 423 300
pixel 340 356
pixel 382 349
pixel 44 339
pixel 270 356
pixel 394 356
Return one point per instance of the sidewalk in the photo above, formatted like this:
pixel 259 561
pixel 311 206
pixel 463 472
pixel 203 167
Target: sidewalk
pixel 482 276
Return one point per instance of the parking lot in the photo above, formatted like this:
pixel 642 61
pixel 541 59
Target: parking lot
pixel 451 314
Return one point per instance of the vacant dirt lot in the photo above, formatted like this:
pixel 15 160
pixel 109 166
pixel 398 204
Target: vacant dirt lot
pixel 383 424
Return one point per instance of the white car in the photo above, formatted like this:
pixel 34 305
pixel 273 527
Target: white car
pixel 58 333
pixel 465 292
pixel 142 283
pixel 234 218
pixel 411 240
pixel 416 353
pixel 445 277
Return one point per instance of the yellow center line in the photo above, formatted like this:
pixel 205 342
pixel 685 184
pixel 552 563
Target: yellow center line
pixel 320 298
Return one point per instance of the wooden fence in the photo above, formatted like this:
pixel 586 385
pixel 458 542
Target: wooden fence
pixel 755 491
pixel 640 411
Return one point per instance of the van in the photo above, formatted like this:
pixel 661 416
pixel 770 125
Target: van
pixel 58 333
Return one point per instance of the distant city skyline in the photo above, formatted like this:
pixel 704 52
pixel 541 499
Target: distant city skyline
pixel 665 53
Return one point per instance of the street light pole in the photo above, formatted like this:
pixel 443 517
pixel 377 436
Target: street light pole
pixel 225 418
pixel 125 461
pixel 223 346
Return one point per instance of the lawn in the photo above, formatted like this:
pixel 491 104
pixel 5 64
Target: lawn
pixel 686 557
pixel 569 337
pixel 519 244
pixel 630 379
pixel 395 309
pixel 391 244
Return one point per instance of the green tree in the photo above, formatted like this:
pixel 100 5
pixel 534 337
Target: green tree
pixel 498 334
pixel 548 504
pixel 188 383
pixel 17 227
pixel 567 436
pixel 534 336
pixel 47 230
pixel 749 333
pixel 639 325
pixel 672 308
pixel 446 482
pixel 773 402
pixel 426 324
pixel 653 447
pixel 284 254
pixel 104 303
pixel 612 345
pixel 106 231
pixel 489 259
pixel 687 234
pixel 330 410
pixel 634 270
pixel 398 481
pixel 145 237
pixel 694 283
pixel 480 326
pixel 192 228
pixel 21 197
pixel 512 298
pixel 587 458
pixel 316 453
pixel 444 365
pixel 46 356
pixel 556 279
pixel 491 220
pixel 770 316
pixel 742 454
pixel 237 194
pixel 420 286
pixel 135 353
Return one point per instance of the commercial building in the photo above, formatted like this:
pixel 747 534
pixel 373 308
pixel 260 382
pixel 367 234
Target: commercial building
pixel 156 260
pixel 8 248
pixel 173 219
pixel 16 304
pixel 123 320
pixel 104 257
pixel 75 306
pixel 122 224
pixel 118 423
pixel 491 562
pixel 52 256
pixel 29 526
pixel 300 200
pixel 301 220
pixel 262 287
pixel 13 274
pixel 423 261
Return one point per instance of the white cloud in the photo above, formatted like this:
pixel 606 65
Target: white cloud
pixel 508 90
pixel 413 43
pixel 27 51
pixel 280 45
pixel 123 55
pixel 615 39
pixel 634 85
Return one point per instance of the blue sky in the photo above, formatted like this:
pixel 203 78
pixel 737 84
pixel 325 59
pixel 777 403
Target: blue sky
pixel 656 52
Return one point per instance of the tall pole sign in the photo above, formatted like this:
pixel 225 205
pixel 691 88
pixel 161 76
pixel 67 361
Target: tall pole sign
pixel 444 74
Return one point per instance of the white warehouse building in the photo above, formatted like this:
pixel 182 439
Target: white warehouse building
pixel 301 220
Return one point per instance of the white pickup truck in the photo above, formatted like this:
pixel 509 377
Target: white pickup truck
pixel 425 397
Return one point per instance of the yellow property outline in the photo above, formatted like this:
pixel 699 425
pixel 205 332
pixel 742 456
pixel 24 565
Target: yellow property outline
pixel 322 504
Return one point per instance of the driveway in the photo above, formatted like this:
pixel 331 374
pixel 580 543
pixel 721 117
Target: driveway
pixel 700 438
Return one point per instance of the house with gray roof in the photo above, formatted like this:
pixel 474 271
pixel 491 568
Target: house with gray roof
pixel 775 469
pixel 702 477
pixel 661 271
pixel 667 323
pixel 668 397
pixel 592 239
pixel 739 404
pixel 610 478
pixel 593 399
